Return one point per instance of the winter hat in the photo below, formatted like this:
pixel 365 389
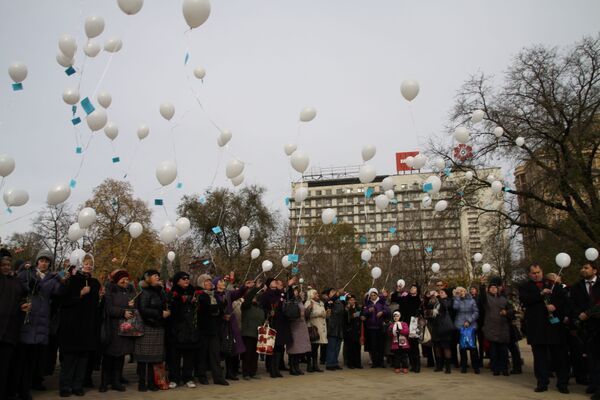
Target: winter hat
pixel 120 274
pixel 4 252
pixel 151 272
pixel 44 253
pixel 495 281
pixel 396 313
pixel 372 290
pixel 180 275
pixel 216 280
pixel 203 278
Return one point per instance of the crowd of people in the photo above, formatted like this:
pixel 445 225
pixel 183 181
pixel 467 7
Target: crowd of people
pixel 181 332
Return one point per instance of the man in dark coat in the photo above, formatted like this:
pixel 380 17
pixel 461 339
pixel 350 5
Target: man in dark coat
pixel 546 312
pixel 585 302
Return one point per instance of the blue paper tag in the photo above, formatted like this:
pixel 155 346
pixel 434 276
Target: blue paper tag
pixel 369 192
pixel 334 220
pixel 187 57
pixel 8 210
pixel 460 193
pixel 295 270
pixel 506 188
pixel 158 202
pixel 78 150
pixel 17 86
pixel 216 230
pixel 393 229
pixel 447 171
pixel 205 262
pixel 394 201
pixel 293 257
pixel 362 240
pixel 554 320
pixel 114 201
pixel 202 200
pixel 427 187
pixel 76 121
pixel 70 71
pixel 179 185
pixel 287 201
pixel 302 240
pixel 429 249
pixel 87 105
pixel 115 160
pixel 73 183
pixel 74 109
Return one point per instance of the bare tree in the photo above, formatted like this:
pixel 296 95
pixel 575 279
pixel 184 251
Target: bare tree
pixel 52 227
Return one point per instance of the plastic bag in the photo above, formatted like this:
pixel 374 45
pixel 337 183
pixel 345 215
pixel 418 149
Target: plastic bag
pixel 467 338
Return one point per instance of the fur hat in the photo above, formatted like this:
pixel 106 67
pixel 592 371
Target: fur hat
pixel 203 278
pixel 120 274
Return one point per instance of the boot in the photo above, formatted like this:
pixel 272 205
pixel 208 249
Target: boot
pixel 117 372
pixel 105 374
pixel 141 371
pixel 296 365
pixel 447 366
pixel 309 364
pixel 150 377
pixel 316 368
pixel 293 365
pixel 438 364
pixel 275 366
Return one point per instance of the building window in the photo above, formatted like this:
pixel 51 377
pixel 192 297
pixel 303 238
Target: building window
pixel 317 192
pixel 327 192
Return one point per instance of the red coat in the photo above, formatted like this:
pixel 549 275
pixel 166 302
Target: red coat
pixel 400 339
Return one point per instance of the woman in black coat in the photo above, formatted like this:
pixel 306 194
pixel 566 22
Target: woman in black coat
pixel 410 307
pixel 437 311
pixel 150 348
pixel 119 304
pixel 352 332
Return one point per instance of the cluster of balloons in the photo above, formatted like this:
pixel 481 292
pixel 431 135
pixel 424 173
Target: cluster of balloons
pixel 234 171
pixel 86 218
pixel 12 197
pixel 171 232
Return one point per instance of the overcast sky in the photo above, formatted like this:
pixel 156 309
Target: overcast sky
pixel 265 61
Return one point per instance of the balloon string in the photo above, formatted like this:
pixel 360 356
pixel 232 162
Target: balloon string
pixel 133 158
pixel 18 218
pixel 314 240
pixel 103 74
pixel 351 279
pixel 248 271
pixel 81 70
pixel 83 157
pixel 197 98
pixel 389 271
pixel 298 229
pixel 257 276
pixel 2 182
pixel 216 169
pixel 127 252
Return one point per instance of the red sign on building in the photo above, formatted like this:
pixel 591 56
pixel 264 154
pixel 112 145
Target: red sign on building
pixel 401 160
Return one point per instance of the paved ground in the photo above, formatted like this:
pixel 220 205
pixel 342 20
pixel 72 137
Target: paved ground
pixel 363 384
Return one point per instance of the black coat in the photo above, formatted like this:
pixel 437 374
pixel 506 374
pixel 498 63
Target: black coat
pixel 79 325
pixel 116 302
pixel 272 303
pixel 152 302
pixel 538 328
pixel 183 322
pixel 12 295
pixel 336 320
pixel 410 306
pixel 581 301
pixel 353 324
pixel 210 315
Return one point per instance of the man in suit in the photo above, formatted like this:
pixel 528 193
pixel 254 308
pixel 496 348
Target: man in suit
pixel 585 301
pixel 546 314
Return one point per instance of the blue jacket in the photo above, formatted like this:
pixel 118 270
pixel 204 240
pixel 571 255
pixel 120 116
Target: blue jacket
pixel 466 310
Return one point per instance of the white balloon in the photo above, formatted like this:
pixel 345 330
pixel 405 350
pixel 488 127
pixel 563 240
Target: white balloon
pixel 199 72
pixel 17 72
pixel 400 283
pixel 387 183
pixel 486 268
pixel 75 232
pixel 7 165
pixel 365 255
pixel 135 229
pixel 71 96
pixel 104 99
pixel 491 178
pixel 76 257
pixel 143 131
pixel 328 215
pixel 367 173
pixel 236 181
pixel 196 12
pixel 435 268
pixel 87 216
pixel 299 161
pixel 166 172
pixel 591 254
pixel 224 137
pixel 390 194
pixel 168 234
pixel 130 7
pixel 234 168
pixel 285 261
pixel 254 254
pixel 477 116
pixel 67 45
pixel 97 120
pixel 15 197
pixel 376 272
pixel 267 266
pixel 563 260
pixel 171 256
pixel 462 135
pixel 497 187
pixel 439 164
pixel 289 149
pixel 520 141
pixel 409 161
pixel 409 89
pixel 244 233
pixel 58 194
pixel 111 131
pixel 394 250
pixel 167 110
pixel 368 152
pixel 64 61
pixel 498 132
pixel 468 175
pixel 381 202
pixel 94 26
pixel 477 257
pixel 92 49
pixel 113 44
pixel 441 205
pixel 426 202
pixel 419 161
pixel 308 114
pixel 436 184
pixel 167 223
pixel 300 194
pixel 182 225
pixel 301 280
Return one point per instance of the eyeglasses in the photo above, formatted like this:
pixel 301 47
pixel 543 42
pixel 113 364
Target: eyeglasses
pixel 187 278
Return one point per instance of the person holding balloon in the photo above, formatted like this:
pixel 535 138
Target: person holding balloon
pixel 374 314
pixel 410 309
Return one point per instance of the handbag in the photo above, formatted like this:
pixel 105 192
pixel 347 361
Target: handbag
pixel 266 339
pixel 290 309
pixel 160 376
pixel 133 327
pixel 426 339
pixel 227 343
pixel 414 329
pixel 313 334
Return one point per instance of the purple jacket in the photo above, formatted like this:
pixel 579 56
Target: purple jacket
pixel 229 297
pixel 373 322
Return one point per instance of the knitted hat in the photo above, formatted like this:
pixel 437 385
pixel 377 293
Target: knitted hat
pixel 151 272
pixel 216 280
pixel 372 290
pixel 120 274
